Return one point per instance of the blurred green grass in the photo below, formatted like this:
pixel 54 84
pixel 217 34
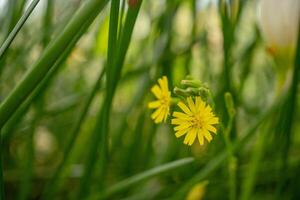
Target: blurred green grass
pixel 78 127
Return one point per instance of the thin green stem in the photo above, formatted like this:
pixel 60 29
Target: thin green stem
pixel 47 22
pixel 1 172
pixel 249 180
pixel 17 28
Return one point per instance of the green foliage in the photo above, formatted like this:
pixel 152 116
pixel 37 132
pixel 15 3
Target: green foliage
pixel 75 84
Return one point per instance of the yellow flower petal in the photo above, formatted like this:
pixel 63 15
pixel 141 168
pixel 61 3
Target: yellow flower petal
pixel 180 115
pixel 160 117
pixel 182 127
pixel 187 138
pixel 156 91
pixel 192 136
pixel 163 101
pixel 156 113
pixel 154 104
pixel 213 120
pixel 211 128
pixel 191 104
pixel 207 109
pixel 181 133
pixel 184 108
pixel 200 137
pixel 177 121
pixel 166 114
pixel 207 135
pixel 195 120
pixel 163 83
pixel 197 101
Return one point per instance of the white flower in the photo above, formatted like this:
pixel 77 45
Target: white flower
pixel 278 20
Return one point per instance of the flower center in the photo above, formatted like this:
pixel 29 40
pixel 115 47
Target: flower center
pixel 198 121
pixel 164 101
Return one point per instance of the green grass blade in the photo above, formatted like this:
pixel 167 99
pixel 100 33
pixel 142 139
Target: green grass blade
pixel 112 38
pixel 288 116
pixel 250 177
pixel 100 134
pixel 17 28
pixel 89 10
pixel 47 22
pixel 1 173
pixel 11 123
pixel 28 165
pixel 54 183
pixel 112 41
pixel 138 178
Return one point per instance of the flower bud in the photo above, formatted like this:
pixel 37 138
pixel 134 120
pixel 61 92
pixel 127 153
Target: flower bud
pixel 191 83
pixel 229 104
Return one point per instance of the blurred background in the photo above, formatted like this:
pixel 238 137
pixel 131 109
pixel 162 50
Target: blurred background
pixel 245 47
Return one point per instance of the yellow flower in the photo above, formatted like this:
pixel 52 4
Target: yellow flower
pixel 162 104
pixel 197 120
pixel 197 192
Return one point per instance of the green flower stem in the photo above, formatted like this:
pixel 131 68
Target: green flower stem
pixel 249 180
pixel 17 28
pixel 138 178
pixel 90 9
pixel 232 161
pixel 230 105
pixel 174 101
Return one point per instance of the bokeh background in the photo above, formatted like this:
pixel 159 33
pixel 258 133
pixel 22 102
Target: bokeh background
pixel 53 149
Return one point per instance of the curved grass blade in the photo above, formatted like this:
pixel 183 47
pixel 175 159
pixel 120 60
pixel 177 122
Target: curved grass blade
pixel 36 74
pixel 138 178
pixel 11 123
